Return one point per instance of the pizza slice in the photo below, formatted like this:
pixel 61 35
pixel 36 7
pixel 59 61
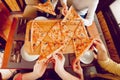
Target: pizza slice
pixel 81 41
pixel 45 49
pixel 68 31
pixel 48 47
pixel 55 33
pixel 70 16
pixel 81 32
pixel 46 7
pixel 37 35
pixel 81 45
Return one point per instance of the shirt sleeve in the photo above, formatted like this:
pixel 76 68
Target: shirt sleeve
pixel 91 12
pixel 110 66
pixel 63 2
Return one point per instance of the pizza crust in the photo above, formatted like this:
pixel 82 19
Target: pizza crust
pixel 37 35
pixel 71 16
pixel 46 7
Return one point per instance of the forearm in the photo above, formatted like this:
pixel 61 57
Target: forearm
pixel 63 2
pixel 110 66
pixel 30 76
pixel 81 76
pixel 65 75
pixel 26 76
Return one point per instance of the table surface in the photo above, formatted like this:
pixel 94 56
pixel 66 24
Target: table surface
pixel 25 64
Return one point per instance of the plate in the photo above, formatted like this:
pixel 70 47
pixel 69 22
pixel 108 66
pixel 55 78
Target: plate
pixel 26 56
pixel 87 57
pixel 40 18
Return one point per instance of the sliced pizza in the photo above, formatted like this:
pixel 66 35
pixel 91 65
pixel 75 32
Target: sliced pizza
pixel 48 47
pixel 81 41
pixel 81 31
pixel 37 35
pixel 55 33
pixel 81 45
pixel 46 7
pixel 68 31
pixel 71 16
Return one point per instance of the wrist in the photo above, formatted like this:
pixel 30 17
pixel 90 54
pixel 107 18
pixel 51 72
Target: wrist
pixel 60 70
pixel 64 5
pixel 36 75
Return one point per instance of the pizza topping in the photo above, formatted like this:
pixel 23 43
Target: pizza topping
pixel 37 35
pixel 55 33
pixel 81 45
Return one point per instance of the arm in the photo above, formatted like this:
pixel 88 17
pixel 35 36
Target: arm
pixel 7 73
pixel 103 59
pixel 77 68
pixel 59 68
pixel 65 75
pixel 110 66
pixel 64 7
pixel 90 14
pixel 38 71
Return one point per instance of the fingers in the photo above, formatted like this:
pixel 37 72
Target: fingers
pixel 76 64
pixel 59 55
pixel 76 61
pixel 64 10
pixel 97 42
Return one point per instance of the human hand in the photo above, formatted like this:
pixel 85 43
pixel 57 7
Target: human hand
pixel 38 70
pixel 77 68
pixel 59 62
pixel 40 67
pixel 101 50
pixel 64 10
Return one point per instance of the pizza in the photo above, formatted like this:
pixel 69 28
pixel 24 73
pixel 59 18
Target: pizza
pixel 81 41
pixel 46 7
pixel 71 16
pixel 49 47
pixel 62 34
pixel 68 31
pixel 37 35
pixel 81 31
pixel 67 25
pixel 81 45
pixel 55 33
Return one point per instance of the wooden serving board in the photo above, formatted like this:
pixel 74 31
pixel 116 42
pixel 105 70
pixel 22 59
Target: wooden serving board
pixel 43 23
